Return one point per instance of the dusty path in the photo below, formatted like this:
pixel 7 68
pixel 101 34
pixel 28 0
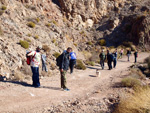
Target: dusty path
pixel 19 97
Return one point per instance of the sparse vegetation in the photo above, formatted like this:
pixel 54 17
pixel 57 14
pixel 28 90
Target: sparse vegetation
pixel 29 35
pixel 54 22
pixel 1 12
pixel 31 24
pixel 91 63
pixel 24 44
pixel 37 19
pixel 53 66
pixel 147 60
pixel 1 31
pixel 54 40
pixel 138 102
pixel 75 44
pixel 36 37
pixel 137 73
pixel 18 76
pixel 56 54
pixel 46 48
pixel 87 55
pixel 80 65
pixel 28 40
pixel 130 82
pixel 4 8
pixel 102 42
pixel 48 25
pixel 89 43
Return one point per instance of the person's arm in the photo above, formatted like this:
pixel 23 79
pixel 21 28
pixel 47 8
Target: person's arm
pixel 31 54
pixel 62 62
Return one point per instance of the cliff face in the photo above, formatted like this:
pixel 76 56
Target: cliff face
pixel 62 23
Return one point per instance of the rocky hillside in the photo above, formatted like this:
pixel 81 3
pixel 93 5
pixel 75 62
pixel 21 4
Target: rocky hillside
pixel 57 24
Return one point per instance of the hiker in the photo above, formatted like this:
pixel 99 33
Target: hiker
pixel 121 53
pixel 102 58
pixel 128 54
pixel 73 58
pixel 44 67
pixel 115 58
pixel 64 64
pixel 109 59
pixel 135 56
pixel 35 62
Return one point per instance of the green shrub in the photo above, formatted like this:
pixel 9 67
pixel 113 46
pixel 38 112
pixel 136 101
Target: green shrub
pixel 37 19
pixel 24 44
pixel 48 25
pixel 31 24
pixel 130 82
pixel 1 12
pixel 75 44
pixel 29 35
pixel 54 40
pixel 46 48
pixel 80 65
pixel 56 54
pixel 91 63
pixel 102 42
pixel 4 8
pixel 54 22
pixel 36 37
pixel 111 47
pixel 89 43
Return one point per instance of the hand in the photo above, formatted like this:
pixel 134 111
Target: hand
pixel 61 70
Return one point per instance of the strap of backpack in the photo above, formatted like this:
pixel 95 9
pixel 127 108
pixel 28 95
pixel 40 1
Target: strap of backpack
pixel 34 55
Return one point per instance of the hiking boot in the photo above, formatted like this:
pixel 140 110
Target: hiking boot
pixel 66 89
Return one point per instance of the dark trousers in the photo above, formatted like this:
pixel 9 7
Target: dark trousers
pixel 109 65
pixel 135 59
pixel 115 62
pixel 128 55
pixel 35 76
pixel 102 63
pixel 71 65
pixel 63 79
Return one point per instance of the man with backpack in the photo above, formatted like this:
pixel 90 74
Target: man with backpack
pixel 102 59
pixel 34 63
pixel 109 59
pixel 115 58
pixel 73 58
pixel 63 63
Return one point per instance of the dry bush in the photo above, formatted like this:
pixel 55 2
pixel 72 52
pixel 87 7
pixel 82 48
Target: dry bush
pixel 130 82
pixel 31 24
pixel 48 25
pixel 147 60
pixel 56 54
pixel 46 48
pixel 137 73
pixel 80 65
pixel 37 20
pixel 26 69
pixel 87 55
pixel 1 32
pixel 139 102
pixel 75 44
pixel 36 37
pixel 91 63
pixel 4 7
pixel 53 66
pixel 18 76
pixel 54 40
pixel 28 40
pixel 29 35
pixel 46 74
pixel 24 44
pixel 89 43
pixel 102 42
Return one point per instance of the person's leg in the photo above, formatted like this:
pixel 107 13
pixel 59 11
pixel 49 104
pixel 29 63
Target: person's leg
pixel 115 61
pixel 74 63
pixel 128 57
pixel 111 65
pixel 63 80
pixel 62 85
pixel 37 80
pixel 135 59
pixel 71 66
pixel 33 76
pixel 103 64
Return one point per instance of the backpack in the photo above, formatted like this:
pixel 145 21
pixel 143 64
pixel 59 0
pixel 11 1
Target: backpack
pixel 59 59
pixel 111 57
pixel 102 56
pixel 29 58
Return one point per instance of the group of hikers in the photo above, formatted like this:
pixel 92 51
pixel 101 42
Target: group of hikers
pixel 68 60
pixel 113 57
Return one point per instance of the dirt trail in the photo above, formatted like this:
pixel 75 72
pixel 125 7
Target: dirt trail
pixel 21 97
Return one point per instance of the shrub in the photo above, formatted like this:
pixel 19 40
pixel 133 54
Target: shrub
pixel 1 12
pixel 102 42
pixel 53 66
pixel 28 40
pixel 31 24
pixel 89 43
pixel 91 63
pixel 111 47
pixel 75 44
pixel 36 37
pixel 1 32
pixel 130 45
pixel 24 44
pixel 29 35
pixel 18 76
pixel 87 55
pixel 46 48
pixel 130 82
pixel 54 40
pixel 48 25
pixel 54 22
pixel 56 54
pixel 80 65
pixel 137 73
pixel 138 102
pixel 37 19
pixel 4 8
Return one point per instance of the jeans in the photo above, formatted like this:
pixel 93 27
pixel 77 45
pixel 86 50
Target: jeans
pixel 35 76
pixel 71 65
pixel 110 65
pixel 63 79
pixel 135 59
pixel 128 57
pixel 44 67
pixel 102 63
pixel 115 62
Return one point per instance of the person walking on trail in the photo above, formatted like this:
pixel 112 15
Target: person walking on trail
pixel 102 59
pixel 115 58
pixel 44 67
pixel 64 65
pixel 35 62
pixel 109 59
pixel 121 53
pixel 135 55
pixel 128 54
pixel 73 58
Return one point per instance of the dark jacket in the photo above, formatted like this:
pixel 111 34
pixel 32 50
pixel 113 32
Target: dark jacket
pixel 136 54
pixel 128 52
pixel 110 57
pixel 64 64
